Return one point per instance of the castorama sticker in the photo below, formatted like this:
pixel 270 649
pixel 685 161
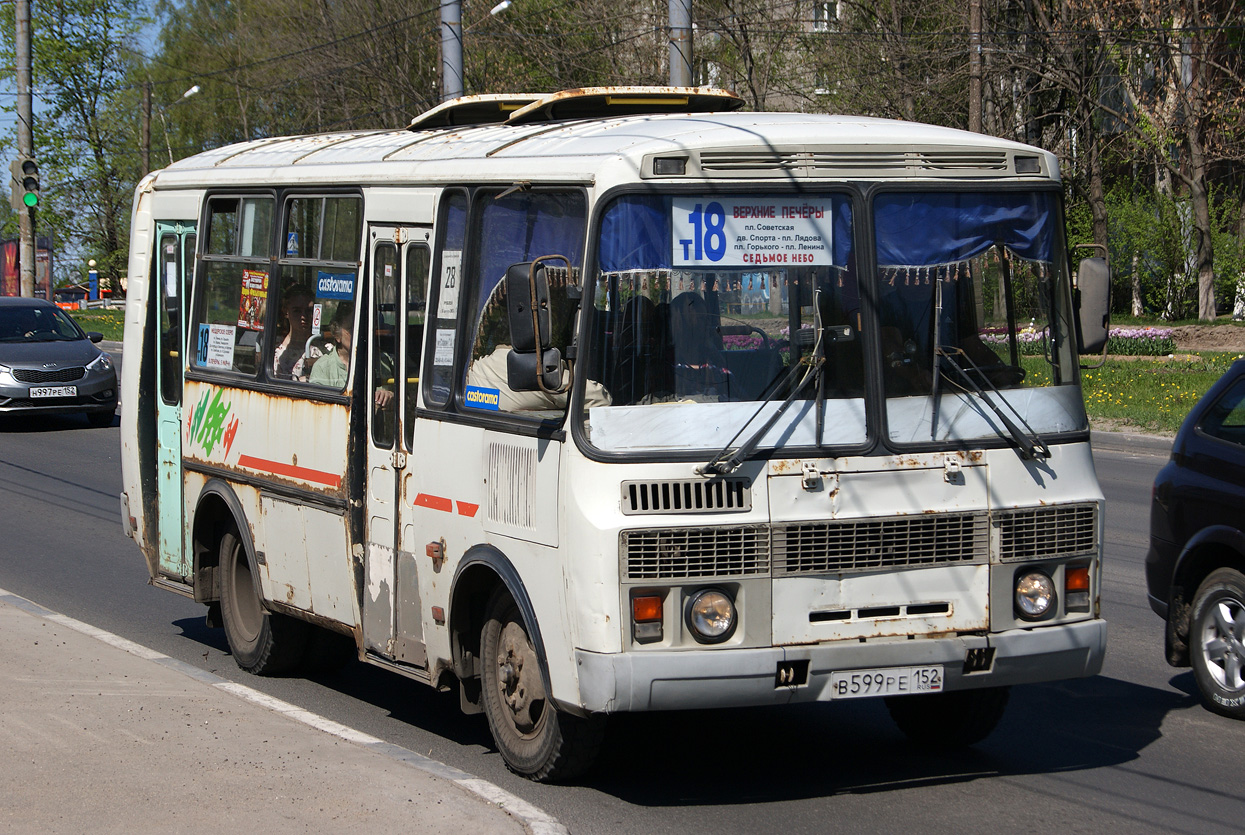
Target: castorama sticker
pixel 335 286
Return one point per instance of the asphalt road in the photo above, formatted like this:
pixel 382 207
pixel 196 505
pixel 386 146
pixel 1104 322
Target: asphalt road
pixel 1129 751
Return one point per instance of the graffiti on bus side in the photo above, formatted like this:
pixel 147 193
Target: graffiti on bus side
pixel 209 423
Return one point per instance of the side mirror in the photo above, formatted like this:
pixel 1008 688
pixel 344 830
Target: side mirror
pixel 527 305
pixel 1093 305
pixel 533 363
pixel 527 372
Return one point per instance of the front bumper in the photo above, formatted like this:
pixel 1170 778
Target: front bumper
pixel 640 681
pixel 96 393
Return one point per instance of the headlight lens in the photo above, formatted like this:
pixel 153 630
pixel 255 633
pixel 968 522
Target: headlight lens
pixel 101 363
pixel 711 616
pixel 1035 595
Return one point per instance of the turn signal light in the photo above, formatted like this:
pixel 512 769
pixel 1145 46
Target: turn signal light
pixel 646 612
pixel 1076 579
pixel 646 609
pixel 1076 588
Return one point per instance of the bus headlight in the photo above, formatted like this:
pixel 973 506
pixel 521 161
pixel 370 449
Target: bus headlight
pixel 1035 595
pixel 711 616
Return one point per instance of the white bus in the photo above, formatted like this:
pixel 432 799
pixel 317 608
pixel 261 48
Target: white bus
pixel 622 400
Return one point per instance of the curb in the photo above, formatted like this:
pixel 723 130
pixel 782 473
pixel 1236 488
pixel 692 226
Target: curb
pixel 1160 445
pixel 533 818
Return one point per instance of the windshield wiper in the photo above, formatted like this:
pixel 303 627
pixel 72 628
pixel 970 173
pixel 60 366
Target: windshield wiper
pixel 1030 442
pixel 726 461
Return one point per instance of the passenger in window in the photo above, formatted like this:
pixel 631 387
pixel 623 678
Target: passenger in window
pixel 331 369
pixel 287 362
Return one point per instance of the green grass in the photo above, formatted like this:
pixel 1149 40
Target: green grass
pixel 111 323
pixel 1150 394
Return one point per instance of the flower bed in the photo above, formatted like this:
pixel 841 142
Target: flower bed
pixel 1141 342
pixel 1129 342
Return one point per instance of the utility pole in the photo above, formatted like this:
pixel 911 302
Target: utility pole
pixel 451 49
pixel 25 145
pixel 680 43
pixel 974 66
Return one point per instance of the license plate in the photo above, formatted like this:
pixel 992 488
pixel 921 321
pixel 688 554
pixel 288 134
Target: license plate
pixel 53 391
pixel 888 681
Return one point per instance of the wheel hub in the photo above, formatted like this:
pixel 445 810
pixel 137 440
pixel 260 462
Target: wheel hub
pixel 1223 644
pixel 518 679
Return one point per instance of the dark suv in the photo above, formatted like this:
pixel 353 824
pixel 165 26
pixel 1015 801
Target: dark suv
pixel 1195 569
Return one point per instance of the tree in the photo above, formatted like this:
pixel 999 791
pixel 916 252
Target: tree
pixel 83 131
pixel 549 45
pixel 1181 67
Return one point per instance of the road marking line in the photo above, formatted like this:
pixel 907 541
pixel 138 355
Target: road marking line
pixel 537 821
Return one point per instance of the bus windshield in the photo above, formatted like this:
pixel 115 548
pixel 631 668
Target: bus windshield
pixel 974 317
pixel 707 312
pixel 704 307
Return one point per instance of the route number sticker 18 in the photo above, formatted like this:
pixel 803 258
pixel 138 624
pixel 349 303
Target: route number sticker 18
pixel 738 232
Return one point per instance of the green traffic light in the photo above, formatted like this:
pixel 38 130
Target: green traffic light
pixel 31 200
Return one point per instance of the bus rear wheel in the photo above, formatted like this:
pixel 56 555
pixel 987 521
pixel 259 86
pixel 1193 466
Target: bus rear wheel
pixel 535 739
pixel 954 719
pixel 262 642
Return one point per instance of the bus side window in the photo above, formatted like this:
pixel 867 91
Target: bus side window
pixel 418 262
pixel 233 299
pixel 168 273
pixel 446 292
pixel 319 258
pixel 513 229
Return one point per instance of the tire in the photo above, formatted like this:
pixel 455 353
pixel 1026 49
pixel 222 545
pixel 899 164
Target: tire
pixel 534 738
pixel 262 642
pixel 1217 642
pixel 100 420
pixel 954 719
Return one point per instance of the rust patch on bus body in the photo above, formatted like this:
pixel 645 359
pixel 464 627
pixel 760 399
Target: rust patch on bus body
pixel 292 442
pixel 786 466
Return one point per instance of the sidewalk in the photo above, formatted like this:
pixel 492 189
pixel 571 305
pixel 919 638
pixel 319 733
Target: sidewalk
pixel 96 738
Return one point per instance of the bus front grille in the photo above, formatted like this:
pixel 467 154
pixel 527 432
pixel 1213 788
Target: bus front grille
pixel 856 545
pixel 868 544
pixel 682 553
pixel 1034 533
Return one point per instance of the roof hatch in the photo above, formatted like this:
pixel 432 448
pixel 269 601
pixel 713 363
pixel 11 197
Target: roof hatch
pixel 605 102
pixel 466 111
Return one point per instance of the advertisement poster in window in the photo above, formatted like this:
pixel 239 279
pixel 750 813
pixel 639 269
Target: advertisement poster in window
pixel 254 300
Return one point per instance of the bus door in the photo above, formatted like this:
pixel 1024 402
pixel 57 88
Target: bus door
pixel 174 259
pixel 392 623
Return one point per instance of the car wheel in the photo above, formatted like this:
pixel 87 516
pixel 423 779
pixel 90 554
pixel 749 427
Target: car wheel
pixel 953 719
pixel 535 739
pixel 1217 642
pixel 262 642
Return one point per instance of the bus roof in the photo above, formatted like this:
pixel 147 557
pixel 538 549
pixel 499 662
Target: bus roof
pixel 725 145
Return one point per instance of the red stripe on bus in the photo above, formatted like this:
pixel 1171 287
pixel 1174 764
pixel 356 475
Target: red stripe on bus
pixel 434 503
pixel 277 468
pixel 467 509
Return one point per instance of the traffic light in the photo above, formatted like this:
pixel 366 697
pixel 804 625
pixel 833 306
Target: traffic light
pixel 24 185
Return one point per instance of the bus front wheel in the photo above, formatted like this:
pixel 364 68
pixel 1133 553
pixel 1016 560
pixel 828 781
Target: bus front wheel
pixel 535 739
pixel 262 642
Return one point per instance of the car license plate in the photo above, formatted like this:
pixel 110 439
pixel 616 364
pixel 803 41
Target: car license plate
pixel 53 391
pixel 888 681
